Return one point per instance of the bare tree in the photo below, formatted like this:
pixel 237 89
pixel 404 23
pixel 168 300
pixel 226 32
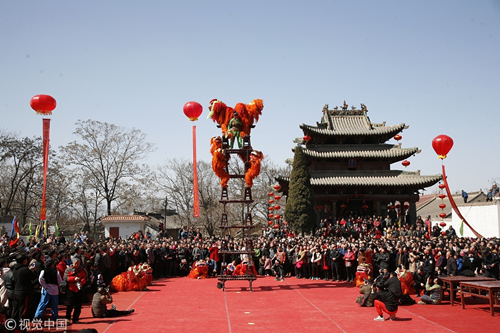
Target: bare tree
pixel 108 156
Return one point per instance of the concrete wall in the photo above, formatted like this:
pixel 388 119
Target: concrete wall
pixel 484 217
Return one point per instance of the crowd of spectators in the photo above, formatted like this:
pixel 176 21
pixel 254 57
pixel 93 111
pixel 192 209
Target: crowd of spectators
pixel 30 273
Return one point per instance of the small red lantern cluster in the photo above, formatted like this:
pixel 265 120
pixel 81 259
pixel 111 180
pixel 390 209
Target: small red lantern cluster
pixel 442 215
pixel 43 104
pixel 306 138
pixel 274 206
pixel 397 137
pixel 405 163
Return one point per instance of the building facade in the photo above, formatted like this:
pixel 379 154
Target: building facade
pixel 349 162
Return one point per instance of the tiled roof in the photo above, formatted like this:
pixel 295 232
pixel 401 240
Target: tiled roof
pixel 428 205
pixel 370 178
pixel 353 125
pixel 359 151
pixel 125 218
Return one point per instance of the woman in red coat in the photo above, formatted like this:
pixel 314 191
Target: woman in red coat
pixel 349 258
pixel 214 254
pixel 76 277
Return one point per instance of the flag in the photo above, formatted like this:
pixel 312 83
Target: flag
pixel 31 231
pixel 15 228
pixel 57 230
pixel 37 231
pixel 462 228
pixel 45 229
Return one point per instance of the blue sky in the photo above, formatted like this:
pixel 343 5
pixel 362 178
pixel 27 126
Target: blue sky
pixel 433 65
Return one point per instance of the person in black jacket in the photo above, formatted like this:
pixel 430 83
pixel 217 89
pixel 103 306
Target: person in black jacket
pixel 384 301
pixel 336 258
pixel 394 285
pixel 23 288
pixel 429 264
pixel 489 262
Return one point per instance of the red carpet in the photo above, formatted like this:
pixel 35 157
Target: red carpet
pixel 186 305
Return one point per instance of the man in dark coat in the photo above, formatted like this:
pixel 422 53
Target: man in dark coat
pixel 429 265
pixel 490 262
pixel 394 285
pixel 23 288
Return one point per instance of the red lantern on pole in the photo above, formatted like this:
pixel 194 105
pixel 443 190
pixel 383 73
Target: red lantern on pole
pixel 442 196
pixel 443 224
pixel 271 201
pixel 442 215
pixel 277 197
pixel 442 186
pixel 442 145
pixel 277 207
pixel 43 104
pixel 276 226
pixel 271 194
pixel 397 137
pixel 193 110
pixel 277 217
pixel 271 208
pixel 443 233
pixel 277 187
pixel 306 138
pixel 271 215
pixel 405 163
pixel 270 222
pixel 442 206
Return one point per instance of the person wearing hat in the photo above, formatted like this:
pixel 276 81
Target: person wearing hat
pixel 489 262
pixel 23 288
pixel 49 279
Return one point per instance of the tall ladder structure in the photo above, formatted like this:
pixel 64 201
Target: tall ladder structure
pixel 245 226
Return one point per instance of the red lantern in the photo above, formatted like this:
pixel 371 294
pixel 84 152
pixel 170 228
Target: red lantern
pixel 276 226
pixel 277 187
pixel 193 110
pixel 443 233
pixel 271 215
pixel 442 215
pixel 271 208
pixel 306 138
pixel 270 222
pixel 397 137
pixel 277 207
pixel 43 104
pixel 285 223
pixel 365 206
pixel 277 217
pixel 442 206
pixel 442 196
pixel 343 206
pixel 405 163
pixel 271 201
pixel 277 197
pixel 442 186
pixel 442 145
pixel 271 194
pixel 443 224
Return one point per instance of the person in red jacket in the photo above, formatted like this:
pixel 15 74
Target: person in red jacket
pixel 214 254
pixel 76 277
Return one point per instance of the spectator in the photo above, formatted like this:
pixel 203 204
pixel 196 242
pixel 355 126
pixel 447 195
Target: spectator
pixel 384 301
pixel 49 280
pixel 434 290
pixel 76 277
pixel 99 309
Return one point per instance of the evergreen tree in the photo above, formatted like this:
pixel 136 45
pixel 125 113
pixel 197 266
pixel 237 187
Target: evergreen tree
pixel 299 209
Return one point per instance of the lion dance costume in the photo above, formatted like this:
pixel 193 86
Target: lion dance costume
pixel 136 278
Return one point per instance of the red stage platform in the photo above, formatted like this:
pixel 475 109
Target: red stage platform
pixel 295 305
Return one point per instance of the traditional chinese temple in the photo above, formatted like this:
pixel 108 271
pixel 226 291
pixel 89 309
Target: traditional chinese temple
pixel 349 162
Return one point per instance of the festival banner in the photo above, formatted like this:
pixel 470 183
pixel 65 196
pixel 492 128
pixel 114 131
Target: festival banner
pixel 196 203
pixel 46 132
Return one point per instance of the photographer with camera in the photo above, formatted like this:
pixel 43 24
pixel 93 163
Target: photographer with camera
pixel 99 308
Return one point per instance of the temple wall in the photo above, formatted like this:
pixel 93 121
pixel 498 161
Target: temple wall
pixel 483 217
